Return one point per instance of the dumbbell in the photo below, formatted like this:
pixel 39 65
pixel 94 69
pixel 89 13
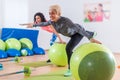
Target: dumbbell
pixel 26 71
pixel 15 59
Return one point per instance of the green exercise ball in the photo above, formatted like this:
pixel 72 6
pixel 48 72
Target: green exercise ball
pixel 26 43
pixel 13 43
pixel 92 61
pixel 57 54
pixel 2 45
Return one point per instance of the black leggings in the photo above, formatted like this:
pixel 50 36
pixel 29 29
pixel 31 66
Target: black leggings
pixel 75 39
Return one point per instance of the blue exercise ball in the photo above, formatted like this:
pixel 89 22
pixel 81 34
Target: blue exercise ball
pixel 3 54
pixel 26 52
pixel 39 51
pixel 13 52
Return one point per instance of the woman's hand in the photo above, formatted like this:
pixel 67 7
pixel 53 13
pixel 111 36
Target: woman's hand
pixel 57 34
pixel 62 42
pixel 29 25
pixel 95 41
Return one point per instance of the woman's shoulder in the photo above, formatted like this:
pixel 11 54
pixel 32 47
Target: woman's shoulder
pixel 64 18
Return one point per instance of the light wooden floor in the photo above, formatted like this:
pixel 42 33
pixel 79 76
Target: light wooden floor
pixel 13 67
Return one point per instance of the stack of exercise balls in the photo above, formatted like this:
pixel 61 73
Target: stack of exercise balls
pixel 92 61
pixel 57 54
pixel 12 47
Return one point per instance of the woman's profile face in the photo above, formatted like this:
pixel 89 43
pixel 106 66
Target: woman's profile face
pixel 38 19
pixel 53 15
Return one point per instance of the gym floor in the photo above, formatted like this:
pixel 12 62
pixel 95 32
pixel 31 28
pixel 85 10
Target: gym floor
pixel 9 67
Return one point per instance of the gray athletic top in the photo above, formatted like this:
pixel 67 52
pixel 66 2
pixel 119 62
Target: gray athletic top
pixel 66 27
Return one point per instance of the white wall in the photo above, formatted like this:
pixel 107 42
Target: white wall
pixel 15 12
pixel 108 32
pixel 1 13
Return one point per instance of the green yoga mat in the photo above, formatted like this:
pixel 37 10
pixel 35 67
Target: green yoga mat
pixel 57 75
pixel 36 64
